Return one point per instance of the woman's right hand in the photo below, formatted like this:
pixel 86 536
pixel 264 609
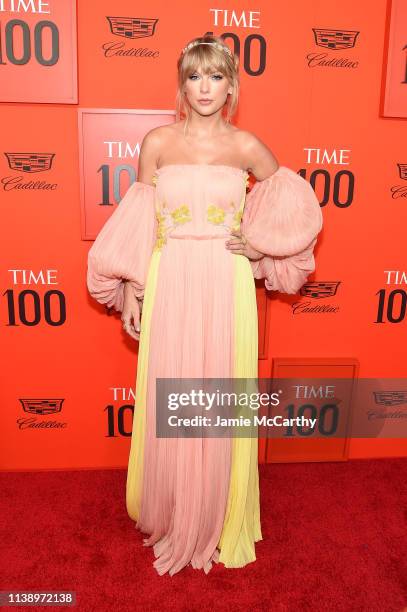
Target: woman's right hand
pixel 131 313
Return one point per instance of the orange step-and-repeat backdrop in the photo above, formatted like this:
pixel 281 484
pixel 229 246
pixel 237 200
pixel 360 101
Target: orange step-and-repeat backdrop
pixel 324 85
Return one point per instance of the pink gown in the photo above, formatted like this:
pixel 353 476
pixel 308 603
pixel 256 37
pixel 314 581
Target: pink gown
pixel 197 499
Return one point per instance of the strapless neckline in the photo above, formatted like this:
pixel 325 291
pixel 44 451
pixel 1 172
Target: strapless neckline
pixel 202 165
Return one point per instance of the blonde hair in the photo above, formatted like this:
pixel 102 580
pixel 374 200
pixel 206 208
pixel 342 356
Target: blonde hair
pixel 209 57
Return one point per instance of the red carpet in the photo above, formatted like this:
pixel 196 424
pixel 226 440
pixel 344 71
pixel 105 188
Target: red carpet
pixel 335 539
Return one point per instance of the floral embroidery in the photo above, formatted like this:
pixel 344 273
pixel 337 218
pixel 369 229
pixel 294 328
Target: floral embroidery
pixel 160 231
pixel 237 217
pixel 231 218
pixel 215 214
pixel 227 219
pixel 180 215
pixel 167 220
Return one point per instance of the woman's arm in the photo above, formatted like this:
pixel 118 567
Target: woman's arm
pixel 262 163
pixel 259 159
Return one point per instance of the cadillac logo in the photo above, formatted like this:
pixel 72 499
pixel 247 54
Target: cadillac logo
pixel 335 39
pixel 321 289
pixel 402 171
pixel 42 406
pixel 132 27
pixel 30 162
pixel 390 398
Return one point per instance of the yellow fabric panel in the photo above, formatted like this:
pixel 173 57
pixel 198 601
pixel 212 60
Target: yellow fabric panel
pixel 135 466
pixel 241 528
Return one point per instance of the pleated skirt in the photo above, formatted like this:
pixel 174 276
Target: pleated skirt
pixel 197 499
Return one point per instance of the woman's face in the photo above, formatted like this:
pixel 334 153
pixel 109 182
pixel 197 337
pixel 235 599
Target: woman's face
pixel 213 87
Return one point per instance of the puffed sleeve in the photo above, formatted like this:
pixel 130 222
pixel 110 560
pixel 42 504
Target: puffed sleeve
pixel 282 218
pixel 123 248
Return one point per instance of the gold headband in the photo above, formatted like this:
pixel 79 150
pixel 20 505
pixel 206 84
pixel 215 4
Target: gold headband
pixel 215 44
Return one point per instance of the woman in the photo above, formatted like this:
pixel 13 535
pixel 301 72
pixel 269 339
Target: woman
pixel 184 246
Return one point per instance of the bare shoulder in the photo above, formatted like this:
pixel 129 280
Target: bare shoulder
pixel 154 142
pixel 259 158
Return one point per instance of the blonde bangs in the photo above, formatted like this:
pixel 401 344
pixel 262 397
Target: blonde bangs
pixel 206 57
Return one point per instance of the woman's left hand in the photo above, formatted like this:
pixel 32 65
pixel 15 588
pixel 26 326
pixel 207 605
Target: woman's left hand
pixel 240 246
